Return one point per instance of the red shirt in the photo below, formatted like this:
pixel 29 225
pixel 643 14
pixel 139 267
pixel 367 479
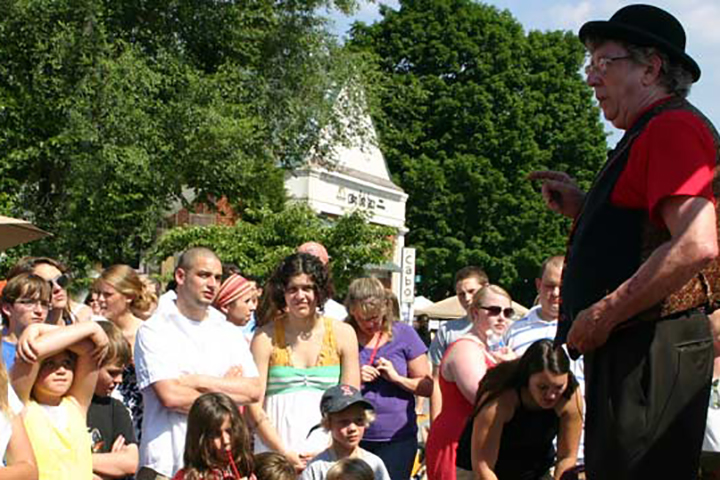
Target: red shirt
pixel 674 155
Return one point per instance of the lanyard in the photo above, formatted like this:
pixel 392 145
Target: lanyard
pixel 375 349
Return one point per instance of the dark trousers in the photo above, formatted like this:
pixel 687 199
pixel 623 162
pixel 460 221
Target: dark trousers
pixel 398 455
pixel 647 393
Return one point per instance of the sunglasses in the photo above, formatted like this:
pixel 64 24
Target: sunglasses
pixel 61 281
pixel 494 311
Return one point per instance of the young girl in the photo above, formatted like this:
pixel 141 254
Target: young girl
pixel 55 375
pixel 217 445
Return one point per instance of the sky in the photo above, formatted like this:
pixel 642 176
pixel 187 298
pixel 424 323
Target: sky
pixel 700 18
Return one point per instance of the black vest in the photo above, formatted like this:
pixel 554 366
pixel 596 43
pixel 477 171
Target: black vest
pixel 608 244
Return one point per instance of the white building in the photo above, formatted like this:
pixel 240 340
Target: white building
pixel 355 176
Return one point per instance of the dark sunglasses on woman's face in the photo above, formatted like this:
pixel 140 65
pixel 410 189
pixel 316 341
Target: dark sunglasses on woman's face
pixel 61 281
pixel 495 310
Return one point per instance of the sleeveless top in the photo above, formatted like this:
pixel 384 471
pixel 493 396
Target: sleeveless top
pixel 283 377
pixel 292 395
pixel 526 447
pixel 447 427
pixel 61 453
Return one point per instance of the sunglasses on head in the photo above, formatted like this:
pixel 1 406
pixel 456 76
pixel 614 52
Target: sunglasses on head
pixel 495 310
pixel 61 281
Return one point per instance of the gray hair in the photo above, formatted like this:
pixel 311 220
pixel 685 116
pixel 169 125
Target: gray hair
pixel 674 77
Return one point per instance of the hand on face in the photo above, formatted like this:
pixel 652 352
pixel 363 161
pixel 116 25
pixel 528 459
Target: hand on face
pixel 26 348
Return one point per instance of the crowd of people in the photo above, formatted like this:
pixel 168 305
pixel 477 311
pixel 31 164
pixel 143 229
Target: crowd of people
pixel 192 383
pixel 218 376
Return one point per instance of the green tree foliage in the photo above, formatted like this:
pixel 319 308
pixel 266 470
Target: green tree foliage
pixel 257 247
pixel 469 105
pixel 111 110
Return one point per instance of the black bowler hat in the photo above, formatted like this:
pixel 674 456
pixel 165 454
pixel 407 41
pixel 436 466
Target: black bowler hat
pixel 646 26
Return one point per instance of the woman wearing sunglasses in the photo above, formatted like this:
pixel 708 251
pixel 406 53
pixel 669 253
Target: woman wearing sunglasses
pixel 63 310
pixel 463 366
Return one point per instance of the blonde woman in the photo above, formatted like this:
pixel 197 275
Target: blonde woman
pixel 464 364
pixel 393 369
pixel 121 292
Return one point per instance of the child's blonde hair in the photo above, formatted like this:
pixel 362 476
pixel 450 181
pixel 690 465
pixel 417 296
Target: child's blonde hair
pixel 273 466
pixel 350 468
pixel 325 421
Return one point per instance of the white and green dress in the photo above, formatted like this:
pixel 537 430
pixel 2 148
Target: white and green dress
pixel 292 396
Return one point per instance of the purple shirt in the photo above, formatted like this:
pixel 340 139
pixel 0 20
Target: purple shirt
pixel 394 406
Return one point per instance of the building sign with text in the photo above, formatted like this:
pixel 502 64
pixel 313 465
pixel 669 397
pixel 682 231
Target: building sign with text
pixel 407 276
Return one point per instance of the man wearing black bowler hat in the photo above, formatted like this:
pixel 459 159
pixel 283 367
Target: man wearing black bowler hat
pixel 641 277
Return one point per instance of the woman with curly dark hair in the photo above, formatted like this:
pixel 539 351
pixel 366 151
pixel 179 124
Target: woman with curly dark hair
pixel 299 355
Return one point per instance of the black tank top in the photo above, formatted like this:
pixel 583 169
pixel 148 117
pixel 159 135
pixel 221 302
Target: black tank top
pixel 526 446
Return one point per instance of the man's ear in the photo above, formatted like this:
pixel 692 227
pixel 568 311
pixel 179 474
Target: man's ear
pixel 180 275
pixel 652 71
pixel 538 284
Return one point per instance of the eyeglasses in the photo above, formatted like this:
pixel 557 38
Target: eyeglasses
pixel 61 281
pixel 30 303
pixel 495 310
pixel 601 66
